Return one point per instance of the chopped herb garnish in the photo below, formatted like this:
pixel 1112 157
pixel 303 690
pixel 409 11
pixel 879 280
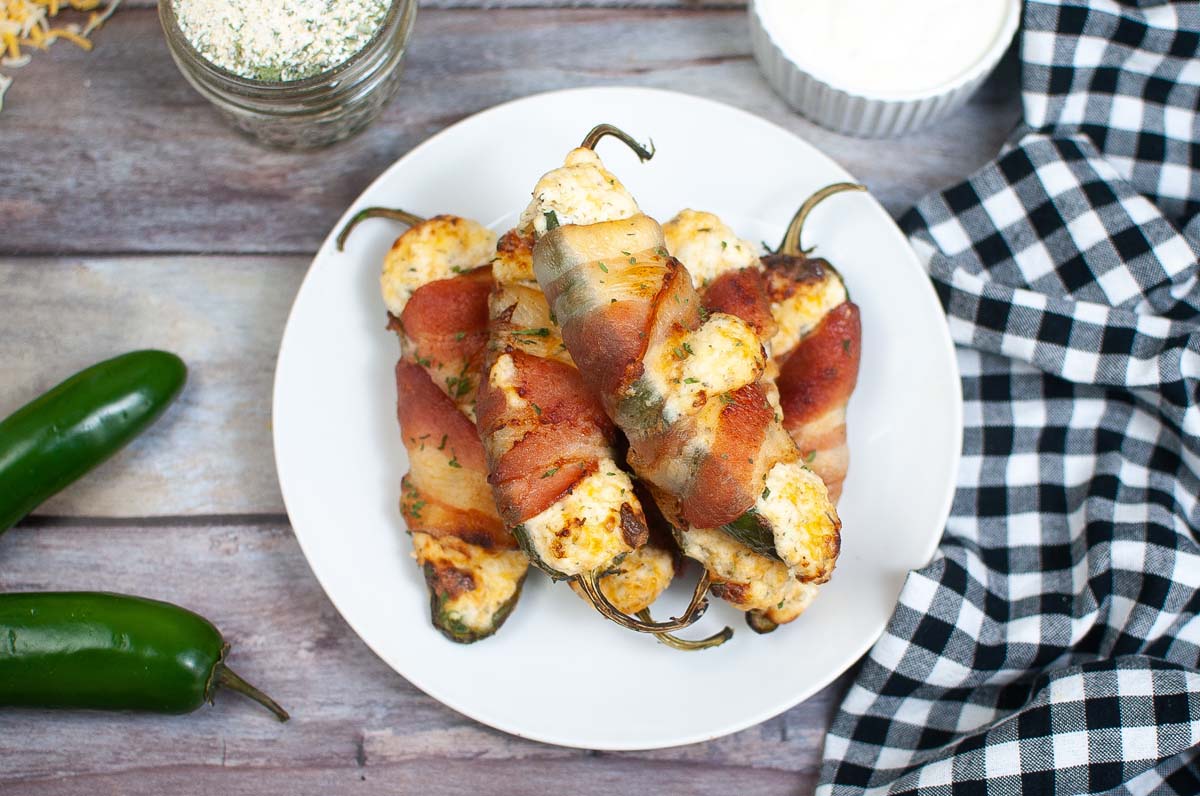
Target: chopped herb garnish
pixel 603 267
pixel 459 335
pixel 724 244
pixel 536 408
pixel 766 492
pixel 551 220
pixel 846 346
pixel 442 445
pixel 458 386
pixel 687 347
pixel 808 457
pixel 454 461
pixel 550 472
pixel 679 353
pixel 541 331
pixel 690 380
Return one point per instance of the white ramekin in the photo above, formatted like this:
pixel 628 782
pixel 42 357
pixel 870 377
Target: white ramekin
pixel 864 115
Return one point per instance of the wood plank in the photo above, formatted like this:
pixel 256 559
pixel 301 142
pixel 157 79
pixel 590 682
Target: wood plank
pixel 354 720
pixel 600 776
pixel 211 452
pixel 140 165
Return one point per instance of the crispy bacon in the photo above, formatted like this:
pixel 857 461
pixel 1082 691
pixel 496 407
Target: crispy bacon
pixel 817 372
pixel 560 446
pixel 727 478
pixel 444 442
pixel 742 293
pixel 543 431
pixel 612 318
pixel 815 384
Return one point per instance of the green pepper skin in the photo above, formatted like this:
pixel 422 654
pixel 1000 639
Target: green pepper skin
pixel 454 629
pixel 94 650
pixel 526 544
pixel 53 440
pixel 753 531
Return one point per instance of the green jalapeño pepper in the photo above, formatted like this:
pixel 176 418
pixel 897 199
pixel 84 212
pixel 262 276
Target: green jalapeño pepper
pixel 111 652
pixel 55 439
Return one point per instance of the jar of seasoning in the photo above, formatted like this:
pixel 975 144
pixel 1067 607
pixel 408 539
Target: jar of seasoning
pixel 295 75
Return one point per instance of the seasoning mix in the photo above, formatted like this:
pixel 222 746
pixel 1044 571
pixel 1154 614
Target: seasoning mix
pixel 278 42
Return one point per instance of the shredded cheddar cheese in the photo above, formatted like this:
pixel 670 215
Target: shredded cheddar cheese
pixel 27 24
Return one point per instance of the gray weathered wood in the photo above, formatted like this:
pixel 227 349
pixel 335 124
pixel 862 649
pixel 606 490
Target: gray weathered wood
pixel 116 161
pixel 211 452
pixel 354 720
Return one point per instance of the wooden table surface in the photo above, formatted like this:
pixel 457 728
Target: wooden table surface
pixel 131 216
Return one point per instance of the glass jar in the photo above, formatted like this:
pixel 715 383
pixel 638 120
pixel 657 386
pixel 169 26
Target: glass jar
pixel 308 113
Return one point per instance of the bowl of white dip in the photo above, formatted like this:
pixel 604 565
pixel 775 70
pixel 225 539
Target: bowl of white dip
pixel 880 68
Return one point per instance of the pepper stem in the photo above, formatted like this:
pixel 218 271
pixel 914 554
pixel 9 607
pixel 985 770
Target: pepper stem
pixel 686 645
pixel 227 679
pixel 601 130
pixel 375 212
pixel 590 584
pixel 791 238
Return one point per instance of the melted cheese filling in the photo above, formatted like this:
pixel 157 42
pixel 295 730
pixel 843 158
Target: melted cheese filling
pixel 582 532
pixel 497 574
pixel 722 355
pixel 638 580
pixel 796 504
pixel 756 582
pixel 581 191
pixel 707 246
pixel 437 249
pixel 529 327
pixel 799 314
pixel 763 582
pixel 503 377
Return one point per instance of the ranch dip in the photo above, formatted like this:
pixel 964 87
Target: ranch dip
pixel 885 48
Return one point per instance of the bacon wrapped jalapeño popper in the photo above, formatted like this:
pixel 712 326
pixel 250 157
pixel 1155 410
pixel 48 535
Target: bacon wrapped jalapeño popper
pixel 555 469
pixel 436 296
pixel 800 308
pixel 685 386
pixel 786 300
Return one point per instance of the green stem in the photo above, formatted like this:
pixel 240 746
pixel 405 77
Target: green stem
pixel 686 645
pixel 375 212
pixel 791 238
pixel 590 584
pixel 601 130
pixel 227 679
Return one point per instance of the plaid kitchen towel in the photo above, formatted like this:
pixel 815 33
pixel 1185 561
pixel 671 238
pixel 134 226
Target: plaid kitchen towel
pixel 1053 645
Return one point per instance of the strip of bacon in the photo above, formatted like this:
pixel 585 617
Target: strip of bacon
pixel 437 302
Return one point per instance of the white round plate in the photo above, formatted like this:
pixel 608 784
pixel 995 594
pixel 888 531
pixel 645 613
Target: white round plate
pixel 557 672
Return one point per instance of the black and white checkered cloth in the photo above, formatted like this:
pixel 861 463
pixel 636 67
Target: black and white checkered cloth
pixel 1053 645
